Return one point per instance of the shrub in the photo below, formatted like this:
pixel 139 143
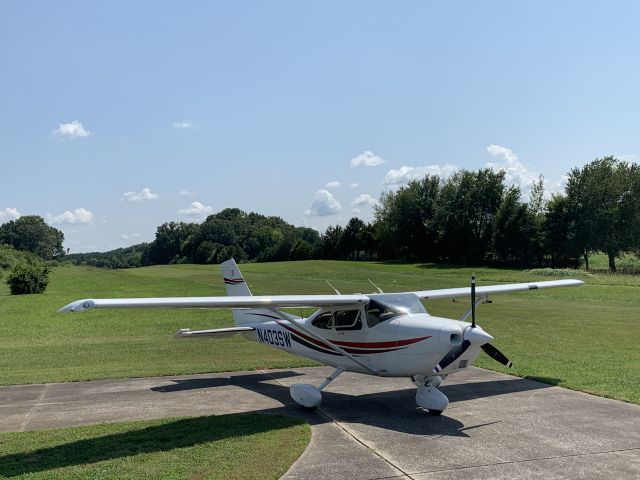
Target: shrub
pixel 26 279
pixel 10 257
pixel 558 272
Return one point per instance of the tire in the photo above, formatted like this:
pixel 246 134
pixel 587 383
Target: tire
pixel 435 412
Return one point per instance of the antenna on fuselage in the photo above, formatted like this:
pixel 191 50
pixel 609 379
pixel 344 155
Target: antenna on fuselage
pixel 473 301
pixel 376 286
pixel 334 288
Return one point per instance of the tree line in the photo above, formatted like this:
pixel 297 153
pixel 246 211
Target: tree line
pixel 472 217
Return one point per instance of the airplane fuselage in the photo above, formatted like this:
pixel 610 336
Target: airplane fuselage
pixel 404 346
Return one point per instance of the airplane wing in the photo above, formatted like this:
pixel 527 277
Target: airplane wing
pixel 484 291
pixel 271 301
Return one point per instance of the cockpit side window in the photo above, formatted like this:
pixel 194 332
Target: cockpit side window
pixel 377 313
pixel 324 320
pixel 386 306
pixel 348 320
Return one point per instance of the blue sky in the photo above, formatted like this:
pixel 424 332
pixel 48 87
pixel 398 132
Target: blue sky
pixel 116 117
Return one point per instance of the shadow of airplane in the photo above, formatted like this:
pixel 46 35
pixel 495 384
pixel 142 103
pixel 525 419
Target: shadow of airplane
pixel 389 410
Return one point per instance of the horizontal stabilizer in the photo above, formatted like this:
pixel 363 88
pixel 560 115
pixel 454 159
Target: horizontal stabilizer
pixel 214 332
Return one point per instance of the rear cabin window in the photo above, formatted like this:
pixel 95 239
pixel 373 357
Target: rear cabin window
pixel 386 306
pixel 348 320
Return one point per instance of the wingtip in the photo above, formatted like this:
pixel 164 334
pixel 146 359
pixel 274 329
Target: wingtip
pixel 77 306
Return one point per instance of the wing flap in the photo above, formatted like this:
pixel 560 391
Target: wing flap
pixel 273 301
pixel 493 289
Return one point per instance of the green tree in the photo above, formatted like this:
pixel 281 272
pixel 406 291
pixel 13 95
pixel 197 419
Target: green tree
pixel 513 231
pixel 465 213
pixel 301 250
pixel 349 244
pixel 404 220
pixel 32 234
pixel 330 242
pixel 536 198
pixel 170 238
pixel 603 207
pixel 559 242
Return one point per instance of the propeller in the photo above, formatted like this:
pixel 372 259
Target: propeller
pixel 477 336
pixel 451 356
pixel 496 354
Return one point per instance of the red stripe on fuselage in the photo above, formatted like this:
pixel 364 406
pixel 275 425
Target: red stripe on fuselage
pixel 358 347
pixel 395 343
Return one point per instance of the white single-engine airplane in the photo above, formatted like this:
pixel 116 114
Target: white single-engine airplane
pixel 384 334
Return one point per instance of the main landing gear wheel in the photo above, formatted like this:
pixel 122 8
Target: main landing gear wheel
pixel 309 396
pixel 435 412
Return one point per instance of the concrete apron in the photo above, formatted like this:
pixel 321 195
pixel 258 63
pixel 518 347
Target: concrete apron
pixel 497 426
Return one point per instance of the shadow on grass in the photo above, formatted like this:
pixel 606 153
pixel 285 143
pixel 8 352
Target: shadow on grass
pixel 547 380
pixel 157 438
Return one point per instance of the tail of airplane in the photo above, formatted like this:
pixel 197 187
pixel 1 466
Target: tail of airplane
pixel 233 279
pixel 236 287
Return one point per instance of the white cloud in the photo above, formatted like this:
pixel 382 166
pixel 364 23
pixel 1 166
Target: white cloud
pixel 355 210
pixel 79 216
pixel 323 204
pixel 184 124
pixel 367 159
pixel 405 173
pixel 332 184
pixel 551 187
pixel 516 172
pixel 69 131
pixel 141 196
pixel 129 236
pixel 197 210
pixel 628 157
pixel 354 185
pixel 364 199
pixel 186 193
pixel 8 214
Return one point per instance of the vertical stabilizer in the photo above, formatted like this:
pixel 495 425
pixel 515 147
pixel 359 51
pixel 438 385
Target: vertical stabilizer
pixel 237 287
pixel 233 279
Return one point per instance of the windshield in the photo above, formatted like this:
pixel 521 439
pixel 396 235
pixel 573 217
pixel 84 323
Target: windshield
pixel 388 305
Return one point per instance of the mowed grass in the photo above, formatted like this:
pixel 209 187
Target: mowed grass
pixel 583 338
pixel 239 446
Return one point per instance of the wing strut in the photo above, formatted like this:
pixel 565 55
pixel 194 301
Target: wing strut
pixel 333 347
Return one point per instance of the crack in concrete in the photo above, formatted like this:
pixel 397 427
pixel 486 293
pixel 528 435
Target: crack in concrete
pixel 514 462
pixel 24 424
pixel 350 434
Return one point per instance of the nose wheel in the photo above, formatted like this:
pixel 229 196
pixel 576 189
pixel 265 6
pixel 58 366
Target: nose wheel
pixel 428 397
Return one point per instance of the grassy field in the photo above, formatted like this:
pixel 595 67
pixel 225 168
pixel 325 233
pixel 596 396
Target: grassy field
pixel 247 446
pixel 581 338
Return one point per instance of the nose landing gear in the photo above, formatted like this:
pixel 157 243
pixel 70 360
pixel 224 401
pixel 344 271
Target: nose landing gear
pixel 428 396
